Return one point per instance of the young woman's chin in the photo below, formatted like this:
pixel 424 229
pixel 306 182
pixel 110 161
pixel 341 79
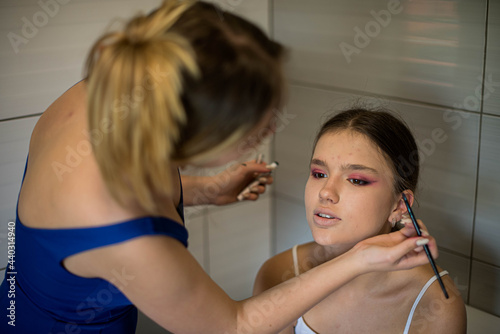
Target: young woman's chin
pixel 335 249
pixel 332 239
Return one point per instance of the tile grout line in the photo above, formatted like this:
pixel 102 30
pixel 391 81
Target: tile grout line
pixel 478 152
pixel 341 90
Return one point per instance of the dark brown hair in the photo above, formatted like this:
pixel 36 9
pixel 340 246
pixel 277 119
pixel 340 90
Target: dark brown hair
pixel 241 77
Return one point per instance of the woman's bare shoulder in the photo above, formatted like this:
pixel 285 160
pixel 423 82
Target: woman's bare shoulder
pixel 280 268
pixel 437 314
pixel 274 271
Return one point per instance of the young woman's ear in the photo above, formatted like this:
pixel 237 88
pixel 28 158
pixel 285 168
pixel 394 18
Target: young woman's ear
pixel 400 208
pixel 409 196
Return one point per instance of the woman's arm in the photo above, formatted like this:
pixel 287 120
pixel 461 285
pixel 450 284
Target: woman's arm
pixel 274 271
pixel 169 286
pixel 224 187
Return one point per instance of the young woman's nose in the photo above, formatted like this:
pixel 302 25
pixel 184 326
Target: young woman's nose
pixel 329 192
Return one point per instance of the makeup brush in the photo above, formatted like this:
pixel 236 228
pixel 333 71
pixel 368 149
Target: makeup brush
pixel 426 248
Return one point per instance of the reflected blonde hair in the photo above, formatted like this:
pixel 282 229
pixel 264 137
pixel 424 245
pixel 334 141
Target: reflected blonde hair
pixel 177 85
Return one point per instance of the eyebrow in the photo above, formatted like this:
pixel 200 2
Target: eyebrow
pixel 318 162
pixel 357 167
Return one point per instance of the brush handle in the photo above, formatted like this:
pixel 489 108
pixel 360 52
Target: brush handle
pixel 433 265
pixel 426 248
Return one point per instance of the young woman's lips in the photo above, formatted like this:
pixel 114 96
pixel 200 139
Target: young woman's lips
pixel 325 218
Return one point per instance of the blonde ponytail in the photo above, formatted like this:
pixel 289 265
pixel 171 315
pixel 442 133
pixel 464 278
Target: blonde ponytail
pixel 134 102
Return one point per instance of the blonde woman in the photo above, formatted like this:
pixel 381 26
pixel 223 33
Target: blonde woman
pixel 101 235
pixel 362 163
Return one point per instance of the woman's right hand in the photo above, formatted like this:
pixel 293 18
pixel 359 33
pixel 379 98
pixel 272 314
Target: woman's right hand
pixel 394 251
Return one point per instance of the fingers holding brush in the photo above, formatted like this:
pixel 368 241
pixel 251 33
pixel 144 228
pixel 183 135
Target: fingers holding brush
pixel 394 251
pixel 258 186
pixel 409 232
pixel 255 190
pixel 409 228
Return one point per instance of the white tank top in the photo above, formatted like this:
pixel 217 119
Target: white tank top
pixel 302 328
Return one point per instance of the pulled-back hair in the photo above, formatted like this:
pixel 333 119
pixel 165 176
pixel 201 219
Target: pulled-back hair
pixel 178 85
pixel 389 133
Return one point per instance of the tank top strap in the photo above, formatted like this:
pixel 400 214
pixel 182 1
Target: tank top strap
pixel 419 297
pixel 295 261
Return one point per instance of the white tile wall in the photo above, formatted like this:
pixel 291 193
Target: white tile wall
pixel 239 242
pixel 52 58
pixel 458 267
pixel 492 90
pixel 487 231
pixel 448 173
pixel 291 224
pixel 14 142
pixel 484 287
pixel 197 242
pixel 428 51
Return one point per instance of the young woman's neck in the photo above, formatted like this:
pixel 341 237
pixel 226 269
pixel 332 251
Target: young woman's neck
pixel 374 284
pixel 324 253
pixel 331 251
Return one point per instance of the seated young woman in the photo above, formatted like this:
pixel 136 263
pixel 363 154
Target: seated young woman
pixel 358 172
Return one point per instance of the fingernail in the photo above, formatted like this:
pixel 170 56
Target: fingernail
pixel 424 233
pixel 272 165
pixel 254 189
pixel 263 179
pixel 422 242
pixel 406 221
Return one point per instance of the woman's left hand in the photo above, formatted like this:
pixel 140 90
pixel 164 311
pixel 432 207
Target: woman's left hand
pixel 225 187
pixel 236 178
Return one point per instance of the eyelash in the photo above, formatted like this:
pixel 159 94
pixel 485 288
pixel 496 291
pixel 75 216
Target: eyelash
pixel 316 175
pixel 355 182
pixel 358 182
